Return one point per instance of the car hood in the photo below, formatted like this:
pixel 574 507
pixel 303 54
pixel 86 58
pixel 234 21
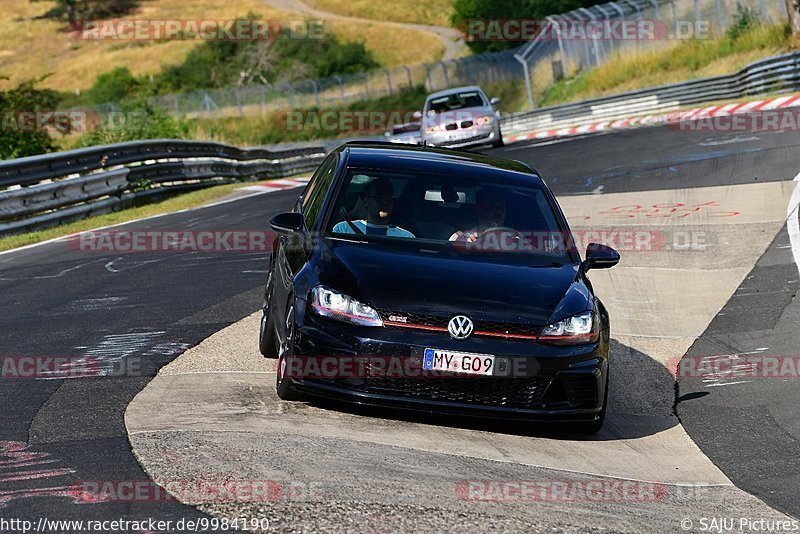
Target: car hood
pixel 442 283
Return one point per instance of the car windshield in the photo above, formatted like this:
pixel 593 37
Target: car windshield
pixel 454 101
pixel 470 216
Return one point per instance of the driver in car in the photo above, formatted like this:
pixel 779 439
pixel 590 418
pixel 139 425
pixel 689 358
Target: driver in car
pixel 490 205
pixel 378 197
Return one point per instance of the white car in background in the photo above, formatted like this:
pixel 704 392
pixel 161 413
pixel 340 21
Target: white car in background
pixel 461 117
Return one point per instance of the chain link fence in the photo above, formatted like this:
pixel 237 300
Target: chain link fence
pixel 564 45
pixel 586 38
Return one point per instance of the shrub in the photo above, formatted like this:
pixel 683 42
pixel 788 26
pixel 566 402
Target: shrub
pixel 16 142
pixel 136 121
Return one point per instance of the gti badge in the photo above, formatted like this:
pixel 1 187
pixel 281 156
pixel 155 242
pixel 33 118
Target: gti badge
pixel 460 327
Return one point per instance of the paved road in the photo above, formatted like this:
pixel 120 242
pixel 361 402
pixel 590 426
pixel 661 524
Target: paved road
pixel 149 307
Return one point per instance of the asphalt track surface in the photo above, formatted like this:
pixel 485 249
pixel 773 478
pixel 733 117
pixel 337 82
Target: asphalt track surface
pixel 150 307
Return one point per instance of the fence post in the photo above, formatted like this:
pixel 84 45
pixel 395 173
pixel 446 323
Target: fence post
pixel 366 86
pixel 720 21
pixel 528 84
pixel 551 21
pixel 316 92
pixel 594 37
pixel 263 99
pixel 408 73
pixel 606 16
pixel 389 80
pixel 238 101
pixel 675 17
pixel 428 76
pixel 762 10
pixel 341 89
pixel 446 76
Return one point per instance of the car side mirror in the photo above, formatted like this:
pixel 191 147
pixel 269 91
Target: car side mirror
pixel 599 256
pixel 495 100
pixel 288 223
pixel 417 114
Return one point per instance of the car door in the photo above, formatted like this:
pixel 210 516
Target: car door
pixel 293 250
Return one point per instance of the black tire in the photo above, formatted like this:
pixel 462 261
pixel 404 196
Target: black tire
pixel 267 342
pixel 499 143
pixel 266 338
pixel 283 384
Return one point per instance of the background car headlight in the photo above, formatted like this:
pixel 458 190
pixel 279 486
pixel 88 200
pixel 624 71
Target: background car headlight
pixel 484 120
pixel 330 303
pixel 575 330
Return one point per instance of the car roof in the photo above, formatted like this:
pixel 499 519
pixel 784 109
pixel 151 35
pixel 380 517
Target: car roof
pixel 454 90
pixel 393 156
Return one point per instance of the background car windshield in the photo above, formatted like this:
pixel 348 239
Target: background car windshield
pixel 466 99
pixel 471 216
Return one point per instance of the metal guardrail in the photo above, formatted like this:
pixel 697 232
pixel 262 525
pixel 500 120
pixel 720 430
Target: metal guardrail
pixel 50 189
pixel 779 74
pixel 41 191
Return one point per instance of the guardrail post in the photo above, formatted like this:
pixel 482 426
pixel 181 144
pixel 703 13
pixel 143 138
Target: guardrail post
pixel 720 21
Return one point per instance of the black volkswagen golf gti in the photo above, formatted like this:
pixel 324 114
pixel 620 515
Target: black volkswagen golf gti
pixel 436 280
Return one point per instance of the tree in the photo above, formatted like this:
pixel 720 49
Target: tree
pixel 793 7
pixel 75 10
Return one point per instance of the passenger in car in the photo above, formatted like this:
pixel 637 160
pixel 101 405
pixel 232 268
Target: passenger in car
pixel 490 205
pixel 378 197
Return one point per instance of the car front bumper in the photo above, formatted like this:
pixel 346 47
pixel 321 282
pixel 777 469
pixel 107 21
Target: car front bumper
pixel 478 137
pixel 532 381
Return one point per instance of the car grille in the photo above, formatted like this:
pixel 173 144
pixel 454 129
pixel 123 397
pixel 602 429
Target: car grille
pixel 495 328
pixel 488 391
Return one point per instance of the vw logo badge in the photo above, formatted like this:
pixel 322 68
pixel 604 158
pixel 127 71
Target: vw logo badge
pixel 460 327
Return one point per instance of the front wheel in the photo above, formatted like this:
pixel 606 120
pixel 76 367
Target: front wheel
pixel 283 382
pixel 499 143
pixel 266 335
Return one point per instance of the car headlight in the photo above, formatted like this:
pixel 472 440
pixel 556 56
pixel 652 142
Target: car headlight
pixel 575 330
pixel 330 303
pixel 485 120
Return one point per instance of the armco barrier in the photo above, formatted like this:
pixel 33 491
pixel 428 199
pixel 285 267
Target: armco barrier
pixel 779 74
pixel 41 191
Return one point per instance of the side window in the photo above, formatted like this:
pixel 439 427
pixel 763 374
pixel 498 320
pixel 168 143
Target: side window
pixel 312 184
pixel 312 203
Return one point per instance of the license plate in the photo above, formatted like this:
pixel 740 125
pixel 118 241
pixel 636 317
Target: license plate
pixel 458 362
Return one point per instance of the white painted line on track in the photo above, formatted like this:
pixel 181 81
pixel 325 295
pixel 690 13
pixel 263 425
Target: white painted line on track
pixel 792 221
